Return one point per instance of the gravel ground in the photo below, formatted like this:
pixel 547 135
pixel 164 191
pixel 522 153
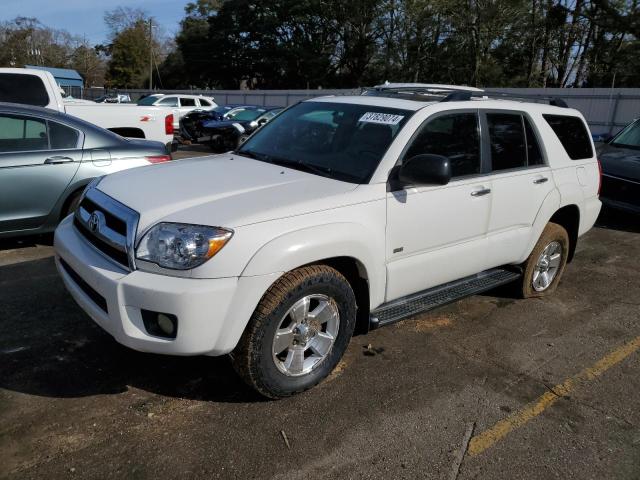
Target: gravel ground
pixel 75 404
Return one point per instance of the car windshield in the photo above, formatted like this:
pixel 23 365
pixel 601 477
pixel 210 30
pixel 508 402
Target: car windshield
pixel 629 137
pixel 337 140
pixel 246 115
pixel 147 101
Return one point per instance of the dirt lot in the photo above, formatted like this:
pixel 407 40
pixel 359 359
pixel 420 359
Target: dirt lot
pixel 550 387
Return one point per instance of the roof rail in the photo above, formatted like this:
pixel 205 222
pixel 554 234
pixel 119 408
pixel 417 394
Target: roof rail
pixel 433 92
pixel 457 97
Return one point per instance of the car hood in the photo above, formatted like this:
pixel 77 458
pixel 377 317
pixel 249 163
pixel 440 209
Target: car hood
pixel 219 123
pixel 223 190
pixel 620 162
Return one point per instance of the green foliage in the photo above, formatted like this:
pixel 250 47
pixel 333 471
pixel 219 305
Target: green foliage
pixel 333 43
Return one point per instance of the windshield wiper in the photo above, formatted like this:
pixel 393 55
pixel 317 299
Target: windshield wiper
pixel 249 154
pixel 297 165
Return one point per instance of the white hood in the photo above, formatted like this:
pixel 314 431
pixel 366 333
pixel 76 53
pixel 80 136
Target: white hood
pixel 223 190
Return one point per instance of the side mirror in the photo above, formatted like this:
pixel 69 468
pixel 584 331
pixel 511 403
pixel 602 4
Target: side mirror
pixel 426 169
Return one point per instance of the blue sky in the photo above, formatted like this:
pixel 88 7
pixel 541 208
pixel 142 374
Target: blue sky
pixel 84 17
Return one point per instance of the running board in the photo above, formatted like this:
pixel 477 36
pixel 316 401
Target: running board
pixel 442 295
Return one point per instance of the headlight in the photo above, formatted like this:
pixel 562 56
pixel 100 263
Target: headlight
pixel 181 246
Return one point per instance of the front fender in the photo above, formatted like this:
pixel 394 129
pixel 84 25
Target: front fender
pixel 312 244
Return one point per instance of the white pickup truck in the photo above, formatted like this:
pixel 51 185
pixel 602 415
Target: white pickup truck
pixel 341 210
pixel 39 88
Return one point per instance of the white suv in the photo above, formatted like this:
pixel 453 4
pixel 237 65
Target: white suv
pixel 341 210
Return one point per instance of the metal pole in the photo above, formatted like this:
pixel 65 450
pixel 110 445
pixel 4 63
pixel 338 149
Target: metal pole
pixel 150 54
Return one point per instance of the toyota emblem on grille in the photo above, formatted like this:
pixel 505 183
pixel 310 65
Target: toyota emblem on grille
pixel 94 222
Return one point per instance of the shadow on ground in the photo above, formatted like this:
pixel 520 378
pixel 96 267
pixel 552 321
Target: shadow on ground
pixel 618 220
pixel 26 242
pixel 50 347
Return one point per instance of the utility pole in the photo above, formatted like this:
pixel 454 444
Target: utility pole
pixel 150 54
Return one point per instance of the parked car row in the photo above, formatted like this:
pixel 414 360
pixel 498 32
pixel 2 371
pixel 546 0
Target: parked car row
pixel 620 159
pixel 224 128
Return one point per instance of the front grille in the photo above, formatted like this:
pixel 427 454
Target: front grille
pixel 108 250
pixel 98 299
pixel 620 190
pixel 107 225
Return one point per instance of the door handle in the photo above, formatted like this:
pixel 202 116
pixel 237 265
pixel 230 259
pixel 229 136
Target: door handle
pixel 480 193
pixel 538 181
pixel 56 159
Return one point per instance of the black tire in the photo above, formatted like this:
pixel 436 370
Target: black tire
pixel 253 358
pixel 552 233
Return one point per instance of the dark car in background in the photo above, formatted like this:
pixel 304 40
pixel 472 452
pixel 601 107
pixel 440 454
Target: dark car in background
pixel 620 160
pixel 225 130
pixel 46 160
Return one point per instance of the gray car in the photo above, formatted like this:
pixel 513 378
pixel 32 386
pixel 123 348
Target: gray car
pixel 46 160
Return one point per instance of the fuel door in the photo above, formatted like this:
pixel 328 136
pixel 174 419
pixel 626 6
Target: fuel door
pixel 100 157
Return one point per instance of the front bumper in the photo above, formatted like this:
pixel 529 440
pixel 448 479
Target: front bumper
pixel 212 313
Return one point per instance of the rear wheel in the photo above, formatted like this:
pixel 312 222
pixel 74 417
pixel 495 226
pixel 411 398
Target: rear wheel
pixel 545 265
pixel 298 332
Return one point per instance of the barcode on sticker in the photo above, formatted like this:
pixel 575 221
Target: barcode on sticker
pixel 383 118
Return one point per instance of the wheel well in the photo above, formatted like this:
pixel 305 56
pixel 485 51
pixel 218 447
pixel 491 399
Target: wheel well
pixel 128 132
pixel 68 201
pixel 569 218
pixel 356 275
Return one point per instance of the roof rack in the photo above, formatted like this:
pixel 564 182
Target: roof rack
pixel 432 92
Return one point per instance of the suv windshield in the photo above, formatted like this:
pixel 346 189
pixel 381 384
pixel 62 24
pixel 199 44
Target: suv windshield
pixel 629 137
pixel 147 101
pixel 336 140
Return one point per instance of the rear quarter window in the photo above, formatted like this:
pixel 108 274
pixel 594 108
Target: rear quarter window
pixel 573 134
pixel 24 89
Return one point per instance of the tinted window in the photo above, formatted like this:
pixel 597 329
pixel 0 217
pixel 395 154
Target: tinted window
pixel 573 135
pixel 205 103
pixel 247 115
pixel 22 134
pixel 62 137
pixel 534 154
pixel 26 89
pixel 508 145
pixel 629 137
pixel 168 102
pixel 337 140
pixel 187 102
pixel 148 100
pixel 455 136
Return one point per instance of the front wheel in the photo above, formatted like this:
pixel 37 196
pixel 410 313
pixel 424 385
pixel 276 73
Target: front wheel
pixel 298 332
pixel 545 266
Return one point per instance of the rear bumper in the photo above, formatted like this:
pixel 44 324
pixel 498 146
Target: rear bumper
pixel 212 313
pixel 589 214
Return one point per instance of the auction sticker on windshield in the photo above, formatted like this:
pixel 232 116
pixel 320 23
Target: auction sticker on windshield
pixel 382 118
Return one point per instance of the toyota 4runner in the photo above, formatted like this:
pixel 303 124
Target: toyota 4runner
pixel 341 211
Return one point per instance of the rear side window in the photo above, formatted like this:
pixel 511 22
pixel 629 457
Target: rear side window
pixel 25 89
pixel 455 136
pixel 62 137
pixel 534 154
pixel 508 142
pixel 205 103
pixel 22 134
pixel 187 102
pixel 573 135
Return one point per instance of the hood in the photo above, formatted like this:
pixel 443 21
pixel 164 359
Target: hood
pixel 620 162
pixel 212 124
pixel 223 190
